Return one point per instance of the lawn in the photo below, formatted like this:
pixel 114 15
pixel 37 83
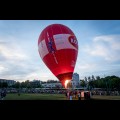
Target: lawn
pixel 24 96
pixel 104 97
pixel 35 97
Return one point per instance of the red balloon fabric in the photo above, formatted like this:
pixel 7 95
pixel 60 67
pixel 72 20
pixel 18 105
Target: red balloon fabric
pixel 58 48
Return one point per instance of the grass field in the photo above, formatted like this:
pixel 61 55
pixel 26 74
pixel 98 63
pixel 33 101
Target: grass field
pixel 53 97
pixel 99 97
pixel 35 97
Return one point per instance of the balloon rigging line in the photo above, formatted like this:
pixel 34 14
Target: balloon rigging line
pixel 55 58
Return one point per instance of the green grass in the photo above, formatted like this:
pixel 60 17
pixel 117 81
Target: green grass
pixel 53 97
pixel 35 97
pixel 100 97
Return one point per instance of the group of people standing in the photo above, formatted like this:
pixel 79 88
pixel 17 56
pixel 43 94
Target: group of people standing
pixel 77 95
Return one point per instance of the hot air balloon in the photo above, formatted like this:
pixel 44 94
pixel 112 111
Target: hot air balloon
pixel 58 48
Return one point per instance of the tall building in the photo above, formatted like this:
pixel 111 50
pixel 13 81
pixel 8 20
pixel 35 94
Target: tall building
pixel 75 80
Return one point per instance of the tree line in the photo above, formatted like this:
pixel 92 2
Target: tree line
pixel 26 84
pixel 107 83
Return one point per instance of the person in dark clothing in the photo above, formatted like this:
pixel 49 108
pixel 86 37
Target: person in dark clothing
pixel 3 94
pixel 79 95
pixel 18 92
pixel 88 95
pixel 66 93
pixel 85 96
pixel 71 93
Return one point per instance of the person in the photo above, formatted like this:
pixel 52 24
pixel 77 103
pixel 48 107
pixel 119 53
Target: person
pixel 75 94
pixel 68 94
pixel 82 95
pixel 79 95
pixel 0 95
pixel 3 94
pixel 89 95
pixel 71 95
pixel 85 95
pixel 18 92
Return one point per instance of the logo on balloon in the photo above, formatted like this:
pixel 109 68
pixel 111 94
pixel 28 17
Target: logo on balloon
pixel 50 46
pixel 72 39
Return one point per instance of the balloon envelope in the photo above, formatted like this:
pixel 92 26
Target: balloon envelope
pixel 58 48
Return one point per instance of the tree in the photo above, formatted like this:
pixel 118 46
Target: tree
pixel 89 79
pixel 23 85
pixel 85 78
pixel 83 84
pixel 3 85
pixel 93 78
pixel 97 77
pixel 91 84
pixel 16 85
pixel 27 84
pixel 109 83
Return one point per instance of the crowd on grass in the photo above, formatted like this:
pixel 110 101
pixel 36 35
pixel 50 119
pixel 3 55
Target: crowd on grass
pixel 78 95
pixel 70 94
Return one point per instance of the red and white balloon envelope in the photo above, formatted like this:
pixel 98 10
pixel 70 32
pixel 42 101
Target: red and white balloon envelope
pixel 58 48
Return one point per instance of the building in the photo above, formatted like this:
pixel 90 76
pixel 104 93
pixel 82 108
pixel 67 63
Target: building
pixel 52 85
pixel 75 80
pixel 9 82
pixel 35 83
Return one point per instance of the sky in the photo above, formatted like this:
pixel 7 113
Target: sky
pixel 98 42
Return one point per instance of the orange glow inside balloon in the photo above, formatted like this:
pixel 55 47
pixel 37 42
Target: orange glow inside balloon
pixel 66 83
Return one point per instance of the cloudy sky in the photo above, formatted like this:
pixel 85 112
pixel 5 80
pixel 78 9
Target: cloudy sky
pixel 98 40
